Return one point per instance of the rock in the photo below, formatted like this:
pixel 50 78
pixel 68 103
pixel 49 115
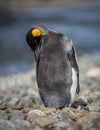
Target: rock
pixel 88 118
pixel 22 125
pixel 28 102
pixel 34 114
pixel 26 109
pixel 3 107
pixel 94 108
pixel 84 99
pixel 63 125
pixel 17 107
pixel 3 115
pixel 95 113
pixel 36 106
pixel 45 121
pixel 1 102
pixel 48 110
pixel 97 101
pixel 96 123
pixel 76 126
pixel 74 114
pixel 6 125
pixel 93 72
pixel 16 114
pixel 78 115
pixel 90 121
pixel 37 128
pixel 78 103
pixel 61 116
pixel 32 98
pixel 21 102
pixel 66 110
pixel 13 102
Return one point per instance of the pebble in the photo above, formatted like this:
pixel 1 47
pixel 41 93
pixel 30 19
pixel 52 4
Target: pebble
pixel 84 99
pixel 37 128
pixel 48 110
pixel 3 107
pixel 96 123
pixel 79 103
pixel 16 114
pixel 93 72
pixel 63 124
pixel 26 109
pixel 76 126
pixel 22 124
pixel 3 115
pixel 97 101
pixel 13 102
pixel 27 102
pixel 88 118
pixel 35 114
pixel 45 121
pixel 6 125
pixel 17 107
pixel 94 108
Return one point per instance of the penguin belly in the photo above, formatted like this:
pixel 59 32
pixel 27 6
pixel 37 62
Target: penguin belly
pixel 54 79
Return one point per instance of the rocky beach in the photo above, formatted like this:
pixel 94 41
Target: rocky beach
pixel 20 105
pixel 22 109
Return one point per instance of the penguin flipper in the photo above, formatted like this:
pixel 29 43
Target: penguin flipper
pixel 74 64
pixel 72 59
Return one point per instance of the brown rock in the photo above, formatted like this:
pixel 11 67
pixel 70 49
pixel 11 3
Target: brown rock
pixel 45 121
pixel 13 102
pixel 37 128
pixel 3 107
pixel 3 115
pixel 17 107
pixel 96 122
pixel 75 114
pixel 48 110
pixel 75 127
pixel 36 106
pixel 88 118
pixel 28 102
pixel 35 114
pixel 16 114
pixel 26 109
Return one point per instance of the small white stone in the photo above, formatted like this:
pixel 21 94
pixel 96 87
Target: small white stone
pixel 93 72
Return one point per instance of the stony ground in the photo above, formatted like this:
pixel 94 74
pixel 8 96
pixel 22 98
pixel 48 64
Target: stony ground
pixel 22 109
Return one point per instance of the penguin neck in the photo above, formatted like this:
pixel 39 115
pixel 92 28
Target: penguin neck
pixel 51 41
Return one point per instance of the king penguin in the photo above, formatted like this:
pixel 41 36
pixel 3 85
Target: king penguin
pixel 57 70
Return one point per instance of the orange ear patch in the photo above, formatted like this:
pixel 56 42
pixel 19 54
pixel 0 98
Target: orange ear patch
pixel 36 32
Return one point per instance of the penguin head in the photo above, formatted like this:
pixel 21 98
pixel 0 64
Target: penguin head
pixel 34 38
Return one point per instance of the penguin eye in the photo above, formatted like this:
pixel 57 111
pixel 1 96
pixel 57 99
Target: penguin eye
pixel 36 33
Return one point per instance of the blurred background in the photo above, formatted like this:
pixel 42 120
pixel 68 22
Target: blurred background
pixel 78 19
